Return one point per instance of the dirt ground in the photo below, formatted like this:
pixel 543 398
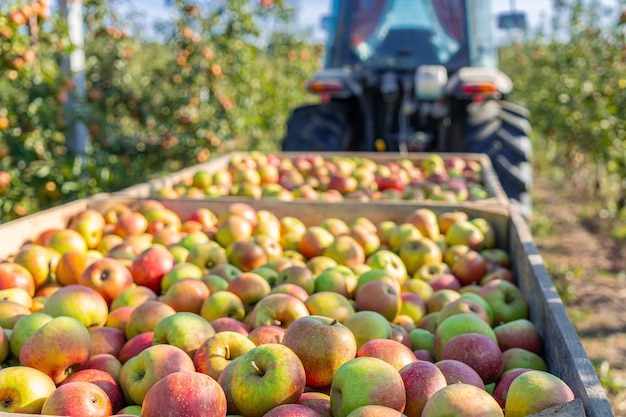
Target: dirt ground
pixel 589 269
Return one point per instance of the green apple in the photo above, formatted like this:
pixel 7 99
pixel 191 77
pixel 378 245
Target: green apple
pixel 133 297
pixel 207 255
pixel 462 400
pixel 456 325
pixel 505 299
pixel 390 262
pixel 339 279
pixel 465 233
pixel 223 304
pixel 278 309
pixel 184 330
pixel 368 325
pixel 521 358
pixel 180 271
pixel 418 252
pixel 330 304
pixel 220 349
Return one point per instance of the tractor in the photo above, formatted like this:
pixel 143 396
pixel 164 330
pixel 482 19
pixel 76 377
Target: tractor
pixel 417 76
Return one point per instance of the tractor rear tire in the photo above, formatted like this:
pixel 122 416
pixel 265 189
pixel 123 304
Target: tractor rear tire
pixel 318 128
pixel 500 129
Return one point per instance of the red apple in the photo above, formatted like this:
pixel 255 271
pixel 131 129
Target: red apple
pixel 108 276
pixel 421 380
pixel 103 380
pixel 395 353
pixel 149 268
pixel 78 399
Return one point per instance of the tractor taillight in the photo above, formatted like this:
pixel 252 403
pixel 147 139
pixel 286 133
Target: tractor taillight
pixel 486 88
pixel 326 86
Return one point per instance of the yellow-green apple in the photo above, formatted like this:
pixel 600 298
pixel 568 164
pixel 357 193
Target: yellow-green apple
pixel 379 296
pixel 486 228
pixel 115 211
pixel 40 261
pixel 400 234
pixel 105 362
pixel 146 316
pixel 339 279
pixel 226 271
pixel 345 250
pixel 267 224
pixel 18 295
pixel 314 241
pixel 184 330
pixel 412 306
pixel 464 305
pixel 133 297
pixel 501 389
pixel 108 276
pixel 447 219
pixel 506 301
pixel 419 287
pixel 150 266
pixel 250 288
pixel 292 225
pixel 453 252
pixel 367 238
pixel 291 289
pixel 470 267
pixel 105 339
pixel 270 245
pixel 421 339
pixel 440 298
pixel 366 381
pixel 368 325
pixel 162 218
pixel 24 327
pixel 521 358
pixel 145 369
pixel 534 391
pixel 299 275
pixel 421 380
pixel 133 223
pixel 130 411
pixel 80 302
pixel 479 352
pixel 232 228
pixel 65 240
pixel 214 283
pixel 186 294
pixel 178 272
pixel 417 252
pixel 265 377
pixel 459 372
pixel 220 349
pixel 185 393
pixel 317 401
pixel 521 333
pixel 323 344
pixel 459 324
pixel 90 224
pixel 222 324
pixel 269 333
pixel 465 233
pixel 24 389
pixel 330 304
pixel 78 399
pixel 425 220
pixel 246 254
pixel 102 379
pixel 319 264
pixel 58 348
pixel 278 309
pixel 390 262
pixel 335 225
pixel 134 345
pixel 207 255
pixel 223 304
pixel 463 400
pixel 14 275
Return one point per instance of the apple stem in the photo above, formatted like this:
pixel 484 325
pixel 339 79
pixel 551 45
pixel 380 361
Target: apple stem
pixel 332 323
pixel 227 352
pixel 256 368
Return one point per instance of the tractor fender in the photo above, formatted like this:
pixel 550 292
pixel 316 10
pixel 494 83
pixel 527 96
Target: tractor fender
pixel 469 76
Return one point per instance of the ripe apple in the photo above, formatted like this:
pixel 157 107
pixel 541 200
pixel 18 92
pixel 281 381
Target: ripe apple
pixel 24 389
pixel 223 304
pixel 82 303
pixel 277 309
pixel 134 345
pixel 367 238
pixel 232 228
pixel 521 358
pixel 133 296
pixel 78 399
pixel 534 391
pixel 339 279
pixel 105 339
pixel 58 348
pixel 207 255
pixel 24 327
pixel 246 254
pixel 184 330
pixel 72 264
pixel 506 301
pixel 102 379
pixel 390 262
pixel 146 316
pixel 478 351
pixel 459 324
pixel 250 288
pixel 329 304
pixel 314 240
pixel 65 240
pixel 412 306
pixel 291 289
pixel 185 393
pixel 401 233
pixel 395 353
pixel 425 220
pixel 149 268
pixel 107 363
pixel 222 324
pixel 131 224
pixel 142 371
pixel 463 400
pixel 421 380
pixel 291 410
pixel 520 333
pixel 440 298
pixel 90 224
pixel 459 372
pixel 366 381
pixel 265 377
pixel 108 276
pixel 14 275
pixel 447 219
pixel 186 295
pixel 299 275
pixel 501 389
pixel 368 325
pixel 418 252
pixel 464 306
pixel 470 267
pixel 323 344
pixel 220 349
pixel 379 296
pixel 40 261
pixel 317 401
pixel 180 271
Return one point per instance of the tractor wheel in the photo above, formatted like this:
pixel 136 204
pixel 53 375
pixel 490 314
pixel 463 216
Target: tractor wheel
pixel 500 130
pixel 318 128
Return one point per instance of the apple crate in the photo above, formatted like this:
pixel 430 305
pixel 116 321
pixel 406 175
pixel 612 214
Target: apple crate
pixel 489 179
pixel 563 350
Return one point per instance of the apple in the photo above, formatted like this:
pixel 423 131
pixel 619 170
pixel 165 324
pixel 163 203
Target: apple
pixel 134 345
pixel 277 309
pixel 470 292
pixel 479 352
pixel 463 400
pixel 379 296
pixel 14 275
pixel 90 224
pixel 105 362
pixel 366 381
pixel 291 289
pixel 265 377
pixel 23 328
pixel 233 227
pixel 501 389
pixel 431 271
pixel 453 252
pixel 447 219
pixel 446 281
pixel 314 240
pixel 367 238
pixel 215 283
pixel 330 304
pixel 78 399
pixel 299 275
pixel 421 339
pixel 425 220
pixel 150 266
pixel 421 380
pixel 521 358
pixel 185 330
pixel 246 254
pixel 207 255
pixel 401 233
pixel 223 304
pixel 118 318
pixel 24 389
pixel 58 348
pixel 108 276
pixel 72 264
pixel 368 325
pixel 186 295
pixel 145 369
pixel 440 298
pixel 506 301
pixel 339 279
pixel 534 391
pixel 470 267
pixel 419 287
pixel 133 296
pixel 317 401
pixel 105 339
pixel 146 316
pixel 82 303
pixel 185 393
pixel 395 353
pixel 65 240
pixel 459 372
pixel 412 306
pixel 39 260
pixel 250 288
pixel 520 333
pixel 180 271
pixel 226 271
pixel 291 410
pixel 459 324
pixel 323 344
pixel 102 379
pixel 390 262
pixel 222 324
pixel 220 349
pixel 418 252
pixel 464 306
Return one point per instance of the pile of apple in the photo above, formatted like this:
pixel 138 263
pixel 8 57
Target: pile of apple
pixel 315 177
pixel 136 311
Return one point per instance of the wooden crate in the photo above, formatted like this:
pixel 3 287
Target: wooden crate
pixel 564 352
pixel 489 179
